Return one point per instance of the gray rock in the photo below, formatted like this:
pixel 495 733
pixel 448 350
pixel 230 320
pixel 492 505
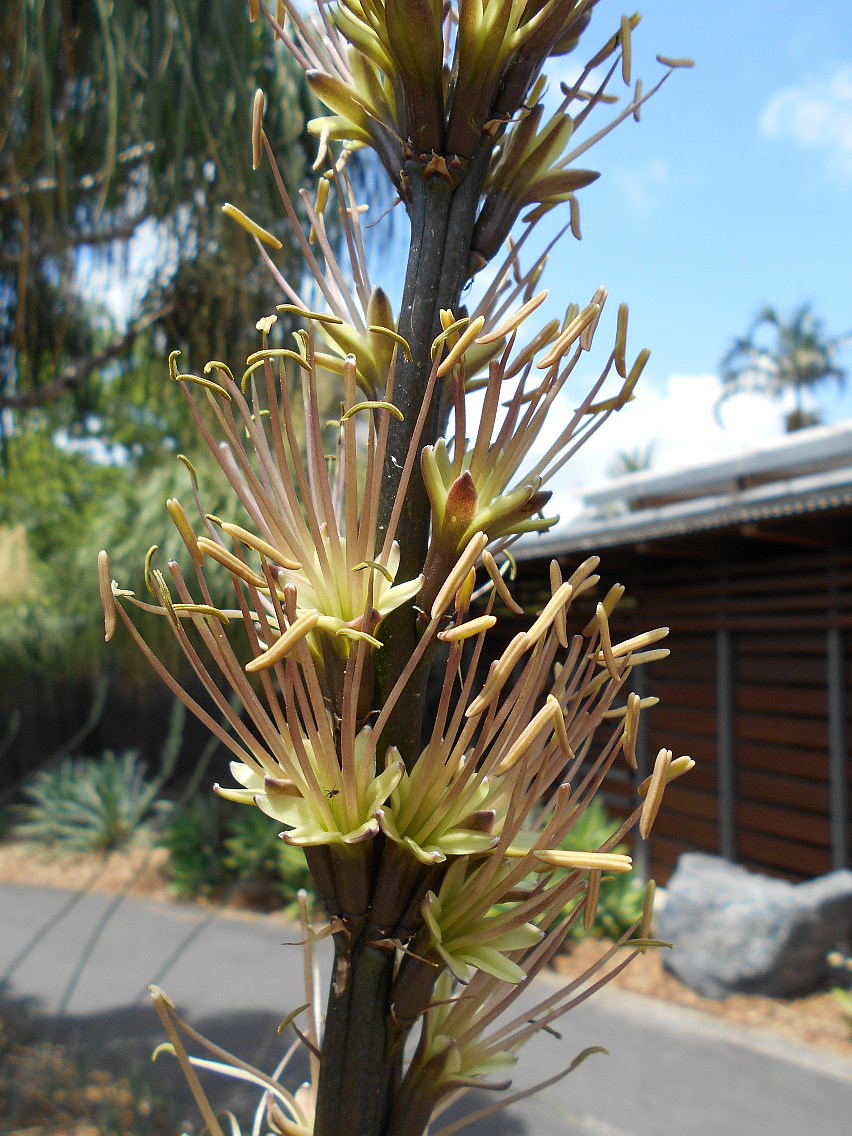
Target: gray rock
pixel 736 932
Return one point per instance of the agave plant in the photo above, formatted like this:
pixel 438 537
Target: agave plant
pixel 379 554
pixel 90 804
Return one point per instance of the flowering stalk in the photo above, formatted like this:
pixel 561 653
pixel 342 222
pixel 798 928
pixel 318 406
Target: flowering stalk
pixel 371 552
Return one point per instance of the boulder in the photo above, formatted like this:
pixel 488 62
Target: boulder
pixel 737 932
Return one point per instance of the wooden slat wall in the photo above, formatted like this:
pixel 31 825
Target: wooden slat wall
pixel 778 614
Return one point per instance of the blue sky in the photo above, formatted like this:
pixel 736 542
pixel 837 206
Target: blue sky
pixel 734 191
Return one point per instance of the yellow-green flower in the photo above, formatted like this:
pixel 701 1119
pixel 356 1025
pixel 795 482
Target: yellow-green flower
pixel 313 798
pixel 341 596
pixel 434 821
pixel 464 938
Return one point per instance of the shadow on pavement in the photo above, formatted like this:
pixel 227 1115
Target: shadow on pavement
pixel 121 1042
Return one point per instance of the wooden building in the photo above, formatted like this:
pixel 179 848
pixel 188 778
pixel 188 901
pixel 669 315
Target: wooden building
pixel 749 562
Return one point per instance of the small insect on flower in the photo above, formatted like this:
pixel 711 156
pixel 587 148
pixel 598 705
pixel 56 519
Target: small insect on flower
pixel 332 793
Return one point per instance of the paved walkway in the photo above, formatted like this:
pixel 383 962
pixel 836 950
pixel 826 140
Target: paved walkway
pixel 79 967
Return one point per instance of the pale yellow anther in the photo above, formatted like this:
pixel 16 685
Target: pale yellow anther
pixel 557 601
pixel 499 674
pixel 451 326
pixel 620 349
pixel 455 580
pixel 625 50
pixel 631 729
pixel 513 654
pixel 615 712
pixel 572 332
pixel 377 567
pixel 514 321
pixel 637 642
pixel 625 395
pixel 588 333
pixel 667 62
pixel 200 609
pixel 187 535
pixel 677 768
pixel 606 645
pixel 373 404
pixel 464 595
pixel 637 100
pixel 161 590
pixel 107 597
pixel 304 313
pixel 654 794
pixel 467 630
pixel 574 214
pixel 583 572
pixel 559 723
pixel 543 720
pixel 146 570
pixel 609 602
pixel 647 910
pixel 250 227
pixel 649 656
pixel 465 340
pixel 266 323
pixel 251 540
pixel 257 109
pixel 584 861
pixel 190 468
pixel 500 585
pixel 293 635
pixel 393 336
pixel 232 563
pixel 351 633
pixel 561 618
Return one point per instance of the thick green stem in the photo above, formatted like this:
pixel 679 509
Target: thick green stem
pixel 442 218
pixel 358 1063
pixel 361 1065
pixel 333 1059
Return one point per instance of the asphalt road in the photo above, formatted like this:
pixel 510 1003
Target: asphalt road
pixel 77 968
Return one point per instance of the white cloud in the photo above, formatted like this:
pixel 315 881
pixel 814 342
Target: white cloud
pixel 679 418
pixel 816 116
pixel 642 185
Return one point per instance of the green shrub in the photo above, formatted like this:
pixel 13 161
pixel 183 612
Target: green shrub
pixel 622 895
pixel 193 839
pixel 89 804
pixel 213 846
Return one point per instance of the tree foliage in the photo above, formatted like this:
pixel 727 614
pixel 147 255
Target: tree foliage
pixel 124 125
pixel 778 355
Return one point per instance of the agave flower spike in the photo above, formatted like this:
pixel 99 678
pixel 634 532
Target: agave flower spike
pixel 440 832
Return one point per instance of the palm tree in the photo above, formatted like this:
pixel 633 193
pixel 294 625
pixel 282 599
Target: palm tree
pixel 796 355
pixel 637 459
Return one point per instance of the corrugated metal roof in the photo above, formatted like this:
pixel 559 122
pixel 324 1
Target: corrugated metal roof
pixel 806 451
pixel 810 493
